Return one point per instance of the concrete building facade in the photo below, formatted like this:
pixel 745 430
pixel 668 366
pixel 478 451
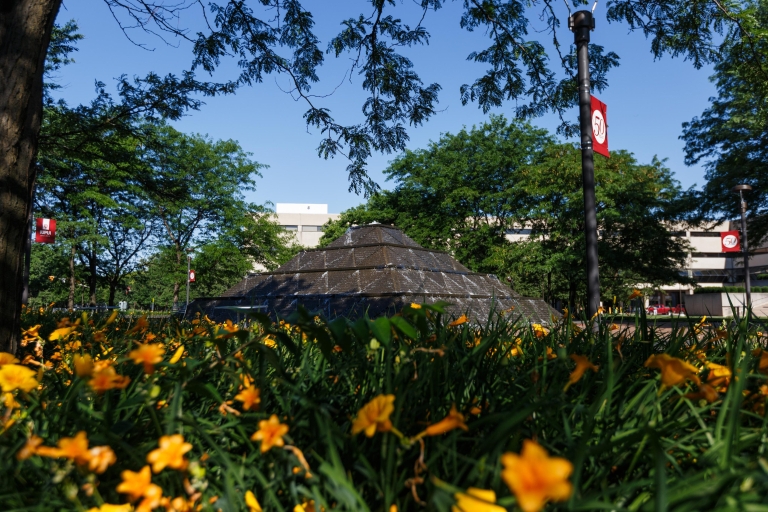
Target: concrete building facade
pixel 304 220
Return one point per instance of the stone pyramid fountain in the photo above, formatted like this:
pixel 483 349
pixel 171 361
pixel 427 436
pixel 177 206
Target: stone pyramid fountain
pixel 375 269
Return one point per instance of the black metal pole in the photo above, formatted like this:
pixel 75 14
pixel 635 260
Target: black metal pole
pixel 581 23
pixel 745 250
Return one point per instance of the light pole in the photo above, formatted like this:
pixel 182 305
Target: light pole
pixel 581 23
pixel 189 263
pixel 740 189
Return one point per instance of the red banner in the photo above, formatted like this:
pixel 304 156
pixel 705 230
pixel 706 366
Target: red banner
pixel 600 127
pixel 46 231
pixel 191 276
pixel 729 240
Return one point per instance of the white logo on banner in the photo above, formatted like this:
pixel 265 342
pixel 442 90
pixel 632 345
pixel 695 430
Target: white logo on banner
pixel 730 241
pixel 46 224
pixel 598 126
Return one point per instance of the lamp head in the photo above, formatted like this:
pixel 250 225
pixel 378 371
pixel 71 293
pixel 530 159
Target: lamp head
pixel 740 188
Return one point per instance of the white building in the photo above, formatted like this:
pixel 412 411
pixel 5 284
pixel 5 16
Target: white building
pixel 305 220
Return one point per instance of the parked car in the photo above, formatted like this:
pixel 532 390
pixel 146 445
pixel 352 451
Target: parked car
pixel 679 310
pixel 658 309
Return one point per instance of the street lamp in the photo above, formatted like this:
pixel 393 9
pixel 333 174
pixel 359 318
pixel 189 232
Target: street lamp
pixel 189 263
pixel 740 189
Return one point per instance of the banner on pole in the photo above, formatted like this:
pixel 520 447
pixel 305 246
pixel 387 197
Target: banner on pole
pixel 600 127
pixel 730 241
pixel 191 276
pixel 46 231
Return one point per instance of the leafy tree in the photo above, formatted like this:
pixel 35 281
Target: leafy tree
pixel 276 37
pixel 635 206
pixel 731 136
pixel 460 194
pixel 467 191
pixel 196 189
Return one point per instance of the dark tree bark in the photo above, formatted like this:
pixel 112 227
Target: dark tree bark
pixel 25 32
pixel 71 299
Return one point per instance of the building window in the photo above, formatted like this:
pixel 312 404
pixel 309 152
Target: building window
pixel 290 228
pixel 518 231
pixel 704 234
pixel 677 233
pixel 312 228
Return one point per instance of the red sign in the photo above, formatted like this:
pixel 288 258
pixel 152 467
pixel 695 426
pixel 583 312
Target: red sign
pixel 191 276
pixel 600 127
pixel 46 231
pixel 730 241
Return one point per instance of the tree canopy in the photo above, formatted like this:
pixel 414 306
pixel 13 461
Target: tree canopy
pixel 466 192
pixel 731 136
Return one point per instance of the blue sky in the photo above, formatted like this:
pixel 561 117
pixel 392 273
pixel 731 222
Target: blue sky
pixel 647 100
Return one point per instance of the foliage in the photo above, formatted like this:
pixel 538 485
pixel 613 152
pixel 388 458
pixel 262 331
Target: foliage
pixel 688 441
pixel 730 136
pixel 467 192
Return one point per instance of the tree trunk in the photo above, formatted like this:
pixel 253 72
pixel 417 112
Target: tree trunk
pixel 25 31
pixel 92 279
pixel 71 299
pixel 112 292
pixel 572 297
pixel 177 284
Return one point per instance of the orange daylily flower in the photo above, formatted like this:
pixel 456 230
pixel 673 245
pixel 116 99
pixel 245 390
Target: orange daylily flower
pixel 228 329
pixel 72 448
pixel 374 416
pixel 251 502
pixel 705 392
pixel 105 378
pixel 582 365
pixel 32 332
pixel 476 500
pixel 106 507
pixel 141 325
pixel 61 333
pixel 415 305
pixel 250 396
pixel 14 376
pixel 170 453
pixel 762 366
pixel 30 448
pixel 461 320
pixel 6 358
pixel 83 365
pixel 148 354
pixel 270 433
pixel 137 484
pixel 535 478
pixel 153 496
pixel 307 506
pixel 539 331
pixel 635 294
pixel 101 457
pixel 454 420
pixel 719 375
pixel 674 371
pixel 550 354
